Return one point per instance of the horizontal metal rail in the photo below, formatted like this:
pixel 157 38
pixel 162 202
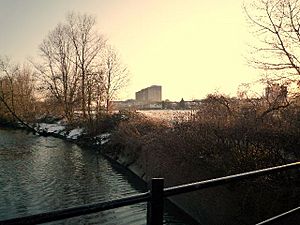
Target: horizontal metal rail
pixel 279 217
pixel 150 197
pixel 181 189
pixel 77 211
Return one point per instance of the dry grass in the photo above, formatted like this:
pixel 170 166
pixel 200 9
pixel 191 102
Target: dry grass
pixel 214 146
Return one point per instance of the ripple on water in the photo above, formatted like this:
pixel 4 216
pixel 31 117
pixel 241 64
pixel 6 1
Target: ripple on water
pixel 39 174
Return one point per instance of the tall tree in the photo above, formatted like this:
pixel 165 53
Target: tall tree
pixel 78 66
pixel 88 45
pixel 59 71
pixel 115 75
pixel 16 91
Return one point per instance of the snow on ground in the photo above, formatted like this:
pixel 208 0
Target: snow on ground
pixel 75 133
pixel 51 128
pixel 102 138
pixel 169 115
pixel 57 128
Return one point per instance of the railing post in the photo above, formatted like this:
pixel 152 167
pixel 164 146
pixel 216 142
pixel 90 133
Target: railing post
pixel 155 207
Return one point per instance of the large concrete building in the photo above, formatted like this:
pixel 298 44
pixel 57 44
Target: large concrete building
pixel 149 94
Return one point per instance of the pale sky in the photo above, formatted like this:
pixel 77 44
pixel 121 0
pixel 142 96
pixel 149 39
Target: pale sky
pixel 190 47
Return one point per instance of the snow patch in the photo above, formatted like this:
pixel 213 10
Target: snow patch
pixel 50 128
pixel 102 138
pixel 75 133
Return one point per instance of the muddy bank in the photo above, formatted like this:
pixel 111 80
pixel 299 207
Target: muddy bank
pixel 211 206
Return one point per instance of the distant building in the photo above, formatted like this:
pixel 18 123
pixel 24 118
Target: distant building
pixel 276 92
pixel 151 98
pixel 149 95
pixel 181 104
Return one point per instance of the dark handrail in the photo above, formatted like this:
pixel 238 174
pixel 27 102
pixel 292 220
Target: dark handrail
pixel 181 189
pixel 281 216
pixel 77 211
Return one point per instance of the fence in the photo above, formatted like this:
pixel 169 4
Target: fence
pixel 154 198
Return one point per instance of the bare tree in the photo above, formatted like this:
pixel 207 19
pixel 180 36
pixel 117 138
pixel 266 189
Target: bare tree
pixel 59 72
pixel 25 92
pixel 7 82
pixel 16 91
pixel 94 92
pixel 88 45
pixel 221 100
pixel 78 66
pixel 274 98
pixel 276 25
pixel 99 92
pixel 115 75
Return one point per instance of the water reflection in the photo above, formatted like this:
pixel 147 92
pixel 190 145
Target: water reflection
pixel 39 174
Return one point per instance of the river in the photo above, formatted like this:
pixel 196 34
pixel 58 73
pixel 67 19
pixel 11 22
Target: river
pixel 40 174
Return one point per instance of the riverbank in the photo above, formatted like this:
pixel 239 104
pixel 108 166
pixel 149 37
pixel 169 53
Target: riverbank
pixel 193 151
pixel 40 174
pixel 77 136
pixel 102 144
pixel 61 130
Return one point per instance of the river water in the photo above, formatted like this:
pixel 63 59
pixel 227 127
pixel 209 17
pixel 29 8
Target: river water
pixel 40 174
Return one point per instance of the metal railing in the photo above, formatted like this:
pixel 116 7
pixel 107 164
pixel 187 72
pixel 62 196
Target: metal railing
pixel 154 198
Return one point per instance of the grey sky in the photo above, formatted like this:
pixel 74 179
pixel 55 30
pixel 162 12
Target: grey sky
pixel 24 23
pixel 173 43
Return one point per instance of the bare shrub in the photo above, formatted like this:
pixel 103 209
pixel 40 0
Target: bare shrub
pixel 218 143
